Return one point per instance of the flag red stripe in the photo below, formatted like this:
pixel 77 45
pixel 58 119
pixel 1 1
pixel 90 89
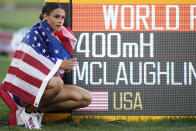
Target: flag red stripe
pixel 32 61
pixel 66 43
pixel 27 97
pixel 70 31
pixel 24 76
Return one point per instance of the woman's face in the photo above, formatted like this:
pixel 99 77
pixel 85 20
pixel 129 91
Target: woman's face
pixel 55 19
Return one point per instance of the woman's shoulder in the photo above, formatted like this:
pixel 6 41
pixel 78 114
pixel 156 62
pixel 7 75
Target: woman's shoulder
pixel 35 32
pixel 33 35
pixel 34 28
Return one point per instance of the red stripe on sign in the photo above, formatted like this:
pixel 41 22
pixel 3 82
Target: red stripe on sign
pixel 96 106
pixel 27 97
pixel 100 100
pixel 97 92
pixel 91 110
pixel 24 76
pixel 32 61
pixel 99 95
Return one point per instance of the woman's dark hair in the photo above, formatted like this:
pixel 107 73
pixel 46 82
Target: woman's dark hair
pixel 48 8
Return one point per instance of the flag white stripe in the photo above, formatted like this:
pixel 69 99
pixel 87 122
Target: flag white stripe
pixel 45 82
pixel 28 69
pixel 20 83
pixel 73 43
pixel 69 34
pixel 29 50
pixel 71 38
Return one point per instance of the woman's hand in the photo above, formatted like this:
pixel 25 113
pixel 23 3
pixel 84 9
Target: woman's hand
pixel 68 65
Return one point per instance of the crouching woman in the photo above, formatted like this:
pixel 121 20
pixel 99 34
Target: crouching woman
pixel 34 74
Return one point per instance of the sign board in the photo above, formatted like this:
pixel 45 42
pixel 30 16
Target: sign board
pixel 137 58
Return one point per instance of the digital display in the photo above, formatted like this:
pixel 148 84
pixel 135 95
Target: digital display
pixel 136 59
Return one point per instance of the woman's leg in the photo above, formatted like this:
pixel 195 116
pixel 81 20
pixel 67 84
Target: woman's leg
pixel 60 97
pixel 69 97
pixel 52 90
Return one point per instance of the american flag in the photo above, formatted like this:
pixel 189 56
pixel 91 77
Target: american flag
pixel 36 60
pixel 99 102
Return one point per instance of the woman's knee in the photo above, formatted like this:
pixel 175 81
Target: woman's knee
pixel 56 84
pixel 53 88
pixel 86 99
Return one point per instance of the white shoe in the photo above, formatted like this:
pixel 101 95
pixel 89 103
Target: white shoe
pixel 39 118
pixel 18 118
pixel 30 120
pixel 20 121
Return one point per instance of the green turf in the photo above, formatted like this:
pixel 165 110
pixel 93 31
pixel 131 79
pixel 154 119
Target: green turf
pixel 93 124
pixel 4 64
pixel 34 2
pixel 19 18
pixel 22 15
pixel 100 125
